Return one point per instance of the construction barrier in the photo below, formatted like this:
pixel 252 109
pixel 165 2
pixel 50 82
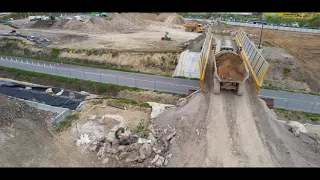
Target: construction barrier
pixel 257 65
pixel 204 56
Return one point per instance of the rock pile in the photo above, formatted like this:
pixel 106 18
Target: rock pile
pixel 127 150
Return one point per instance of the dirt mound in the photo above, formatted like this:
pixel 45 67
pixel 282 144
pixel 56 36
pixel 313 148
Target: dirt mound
pixel 60 24
pixel 43 24
pixel 4 27
pixel 187 147
pixel 148 16
pixel 14 109
pixel 112 23
pixel 230 66
pixel 170 19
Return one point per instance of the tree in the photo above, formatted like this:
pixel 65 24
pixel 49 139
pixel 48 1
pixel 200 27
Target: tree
pixel 269 19
pixel 302 22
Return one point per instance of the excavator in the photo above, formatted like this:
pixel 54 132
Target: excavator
pixel 194 27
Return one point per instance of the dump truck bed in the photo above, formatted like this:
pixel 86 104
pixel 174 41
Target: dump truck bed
pixel 230 67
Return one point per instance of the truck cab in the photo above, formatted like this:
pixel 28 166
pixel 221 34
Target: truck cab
pixel 226 48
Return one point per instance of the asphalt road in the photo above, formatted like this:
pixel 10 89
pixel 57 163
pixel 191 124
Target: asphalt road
pixel 166 84
pixel 286 100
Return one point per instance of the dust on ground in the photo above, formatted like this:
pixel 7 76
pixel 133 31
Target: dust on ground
pixel 26 139
pixel 304 47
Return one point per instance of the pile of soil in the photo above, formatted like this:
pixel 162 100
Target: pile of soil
pixel 148 16
pixel 13 109
pixel 112 23
pixel 230 66
pixel 4 27
pixel 43 24
pixel 118 22
pixel 170 18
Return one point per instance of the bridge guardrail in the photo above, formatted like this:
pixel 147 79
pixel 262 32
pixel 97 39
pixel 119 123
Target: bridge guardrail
pixel 204 56
pixel 256 63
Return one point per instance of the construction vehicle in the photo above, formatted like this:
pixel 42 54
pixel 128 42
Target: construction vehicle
pixel 226 80
pixel 166 38
pixel 194 27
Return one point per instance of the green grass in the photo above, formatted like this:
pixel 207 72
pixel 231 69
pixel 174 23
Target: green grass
pixel 142 128
pixel 288 113
pixel 286 90
pixel 286 71
pixel 55 54
pixel 129 101
pixel 66 124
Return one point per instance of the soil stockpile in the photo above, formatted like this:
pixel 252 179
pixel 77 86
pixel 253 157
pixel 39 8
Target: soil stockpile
pixel 13 109
pixel 2 27
pixel 170 18
pixel 230 66
pixel 117 22
pixel 43 24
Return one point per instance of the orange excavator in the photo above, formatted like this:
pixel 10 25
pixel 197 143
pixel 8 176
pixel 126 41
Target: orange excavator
pixel 194 27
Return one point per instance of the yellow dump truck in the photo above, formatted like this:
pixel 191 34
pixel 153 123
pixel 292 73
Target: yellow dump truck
pixel 230 72
pixel 194 27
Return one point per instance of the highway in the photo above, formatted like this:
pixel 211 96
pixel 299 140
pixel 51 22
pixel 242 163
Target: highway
pixel 285 100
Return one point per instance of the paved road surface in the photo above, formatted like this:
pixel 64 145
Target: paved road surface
pixel 287 100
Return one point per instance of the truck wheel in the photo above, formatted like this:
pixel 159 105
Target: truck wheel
pixel 240 89
pixel 216 86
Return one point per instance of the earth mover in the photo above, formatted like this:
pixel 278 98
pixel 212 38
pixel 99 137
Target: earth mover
pixel 230 71
pixel 194 27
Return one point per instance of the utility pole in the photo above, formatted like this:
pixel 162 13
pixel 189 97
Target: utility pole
pixel 260 36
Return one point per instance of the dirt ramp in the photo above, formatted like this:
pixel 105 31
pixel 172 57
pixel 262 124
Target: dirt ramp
pixel 188 149
pixel 230 66
pixel 285 149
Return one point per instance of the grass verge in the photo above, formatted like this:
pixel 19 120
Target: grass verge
pixel 298 114
pixel 66 124
pixel 142 128
pixel 65 61
pixel 79 84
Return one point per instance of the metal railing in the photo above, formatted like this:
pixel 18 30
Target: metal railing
pixel 306 30
pixel 295 105
pixel 256 63
pixel 103 78
pixel 204 56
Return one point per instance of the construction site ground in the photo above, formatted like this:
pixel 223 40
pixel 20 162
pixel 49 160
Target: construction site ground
pixel 226 130
pixel 131 41
pixel 204 130
pixel 293 58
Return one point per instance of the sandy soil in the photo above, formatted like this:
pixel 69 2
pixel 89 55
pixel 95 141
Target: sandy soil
pixel 143 40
